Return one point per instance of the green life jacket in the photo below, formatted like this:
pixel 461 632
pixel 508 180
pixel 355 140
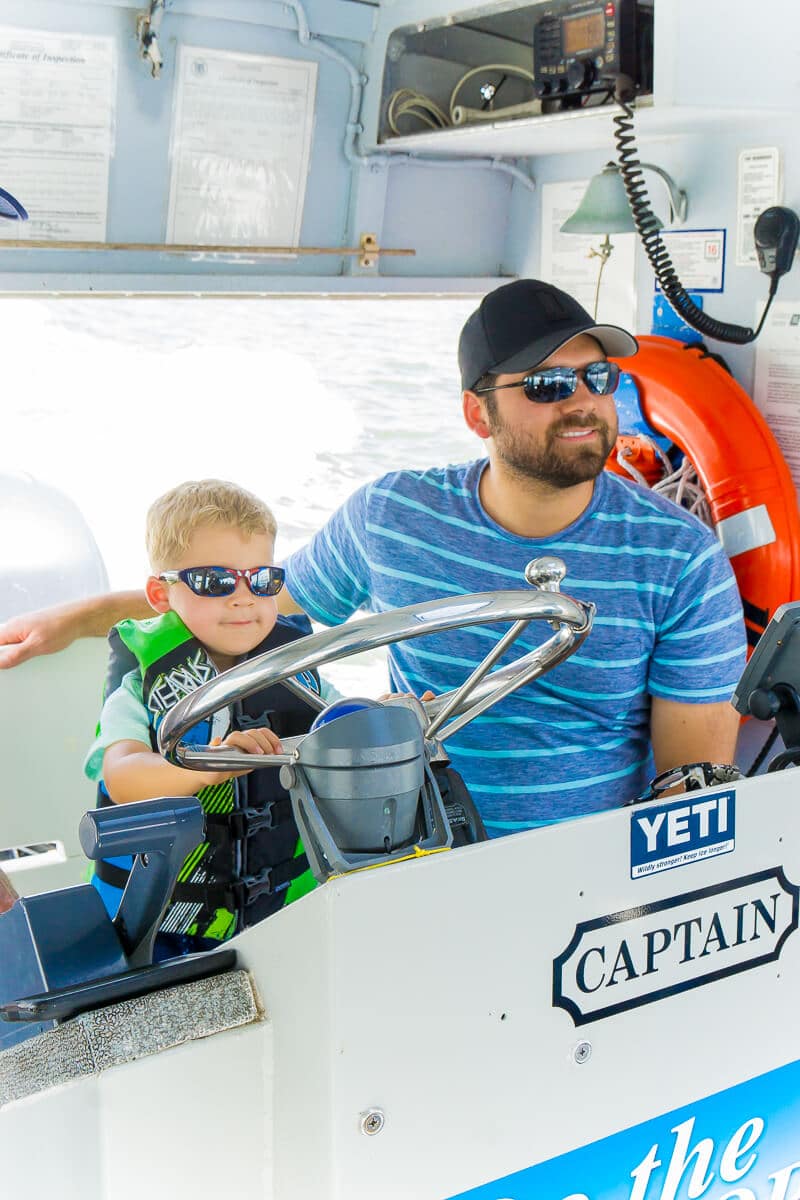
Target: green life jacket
pixel 252 862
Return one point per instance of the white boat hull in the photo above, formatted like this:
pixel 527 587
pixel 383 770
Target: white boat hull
pixel 464 999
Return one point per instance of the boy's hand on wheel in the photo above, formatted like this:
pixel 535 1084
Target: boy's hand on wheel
pixel 252 741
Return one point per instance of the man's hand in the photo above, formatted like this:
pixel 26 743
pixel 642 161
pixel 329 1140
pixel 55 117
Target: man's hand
pixel 406 695
pixel 42 632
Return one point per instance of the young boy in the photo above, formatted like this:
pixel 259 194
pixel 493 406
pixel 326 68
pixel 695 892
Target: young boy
pixel 210 546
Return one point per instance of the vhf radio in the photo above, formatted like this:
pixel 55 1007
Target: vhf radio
pixel 580 46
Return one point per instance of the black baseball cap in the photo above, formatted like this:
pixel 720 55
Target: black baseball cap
pixel 520 324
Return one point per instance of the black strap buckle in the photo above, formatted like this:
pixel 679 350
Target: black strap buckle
pixel 246 891
pixel 247 821
pixel 272 879
pixel 243 823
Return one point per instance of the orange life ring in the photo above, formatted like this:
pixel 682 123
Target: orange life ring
pixel 690 398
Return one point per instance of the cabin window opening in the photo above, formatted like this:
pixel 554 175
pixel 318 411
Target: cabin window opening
pixel 113 400
pixel 38 854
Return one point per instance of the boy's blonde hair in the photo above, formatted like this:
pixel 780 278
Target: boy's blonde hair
pixel 173 518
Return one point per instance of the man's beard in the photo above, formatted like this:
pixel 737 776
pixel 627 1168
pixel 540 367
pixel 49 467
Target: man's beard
pixel 546 462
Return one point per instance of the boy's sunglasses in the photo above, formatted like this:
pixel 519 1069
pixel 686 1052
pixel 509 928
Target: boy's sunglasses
pixel 559 383
pixel 222 581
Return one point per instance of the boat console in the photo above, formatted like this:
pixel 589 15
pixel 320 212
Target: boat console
pixel 62 954
pixel 769 688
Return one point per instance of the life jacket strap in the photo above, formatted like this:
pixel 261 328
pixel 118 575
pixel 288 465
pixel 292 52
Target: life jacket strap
pixel 238 894
pixel 462 813
pixel 240 824
pixel 235 896
pixel 114 876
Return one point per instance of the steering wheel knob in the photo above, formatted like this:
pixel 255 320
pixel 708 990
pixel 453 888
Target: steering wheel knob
pixel 546 573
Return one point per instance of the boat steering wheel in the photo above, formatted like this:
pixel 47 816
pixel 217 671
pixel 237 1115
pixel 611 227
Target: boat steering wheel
pixel 571 620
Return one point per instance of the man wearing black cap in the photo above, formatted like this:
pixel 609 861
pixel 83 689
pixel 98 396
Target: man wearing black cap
pixel 649 689
pixel 546 450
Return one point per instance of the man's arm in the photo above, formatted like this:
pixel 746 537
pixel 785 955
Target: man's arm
pixel 287 605
pixel 686 733
pixel 52 629
pixel 331 575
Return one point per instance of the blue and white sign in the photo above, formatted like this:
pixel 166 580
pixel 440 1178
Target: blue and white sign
pixel 741 1144
pixel 687 831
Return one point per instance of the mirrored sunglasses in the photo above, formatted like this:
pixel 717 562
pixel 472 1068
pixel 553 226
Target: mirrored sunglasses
pixel 559 383
pixel 221 581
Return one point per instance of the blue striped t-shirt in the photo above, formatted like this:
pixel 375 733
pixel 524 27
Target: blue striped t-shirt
pixel 668 623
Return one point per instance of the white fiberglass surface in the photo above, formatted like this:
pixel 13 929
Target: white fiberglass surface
pixel 113 401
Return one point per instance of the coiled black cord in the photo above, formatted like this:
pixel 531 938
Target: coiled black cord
pixel 647 228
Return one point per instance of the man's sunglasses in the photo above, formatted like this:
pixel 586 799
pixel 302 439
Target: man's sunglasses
pixel 559 383
pixel 222 581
